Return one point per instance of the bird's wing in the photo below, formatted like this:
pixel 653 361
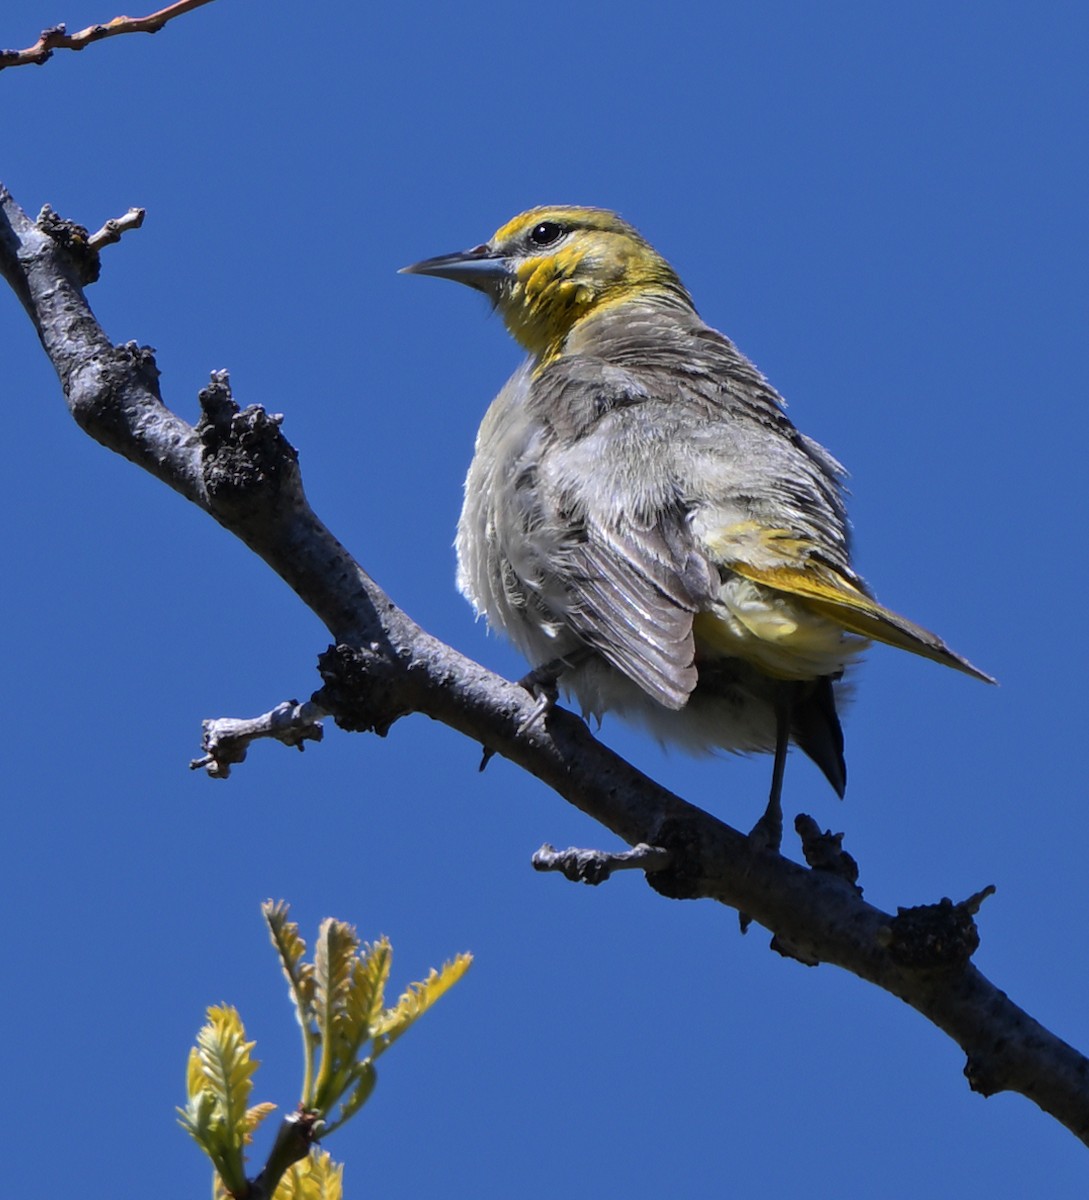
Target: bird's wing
pixel 831 595
pixel 714 465
pixel 631 595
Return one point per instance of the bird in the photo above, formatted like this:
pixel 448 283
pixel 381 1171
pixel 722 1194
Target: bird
pixel 642 519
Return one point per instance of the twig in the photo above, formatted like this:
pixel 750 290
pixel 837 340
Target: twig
pixel 227 739
pixel 113 229
pixel 58 38
pixel 595 866
pixel 297 1134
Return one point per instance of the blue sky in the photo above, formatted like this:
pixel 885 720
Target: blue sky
pixel 884 206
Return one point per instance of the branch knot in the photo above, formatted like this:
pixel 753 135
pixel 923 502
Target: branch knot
pixel 360 688
pixel 940 936
pixel 684 876
pixel 246 459
pixel 75 241
pixel 825 852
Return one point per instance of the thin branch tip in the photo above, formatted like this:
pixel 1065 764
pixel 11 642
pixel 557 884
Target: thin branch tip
pixel 113 229
pixel 57 37
pixel 595 866
pixel 975 901
pixel 226 740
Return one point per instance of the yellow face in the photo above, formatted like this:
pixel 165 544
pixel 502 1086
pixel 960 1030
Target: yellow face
pixel 551 266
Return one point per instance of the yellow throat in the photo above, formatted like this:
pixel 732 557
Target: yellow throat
pixel 553 265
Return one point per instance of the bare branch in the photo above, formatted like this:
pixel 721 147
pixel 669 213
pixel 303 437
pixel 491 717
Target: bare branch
pixel 298 1132
pixel 237 466
pixel 58 38
pixel 113 229
pixel 227 739
pixel 595 866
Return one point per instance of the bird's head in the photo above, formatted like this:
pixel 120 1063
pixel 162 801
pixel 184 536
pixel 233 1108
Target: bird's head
pixel 549 267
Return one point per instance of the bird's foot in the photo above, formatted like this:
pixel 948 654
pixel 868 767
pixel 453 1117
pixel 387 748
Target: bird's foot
pixel 543 684
pixel 767 833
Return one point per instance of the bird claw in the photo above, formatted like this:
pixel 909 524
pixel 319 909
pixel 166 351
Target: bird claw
pixel 543 679
pixel 546 698
pixel 540 710
pixel 542 683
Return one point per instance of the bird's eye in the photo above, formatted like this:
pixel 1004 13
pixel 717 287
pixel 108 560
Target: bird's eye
pixel 546 233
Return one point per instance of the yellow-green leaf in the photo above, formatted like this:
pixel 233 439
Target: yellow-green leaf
pixel 300 981
pixel 317 1177
pixel 226 1063
pixel 333 958
pixel 196 1120
pixel 194 1076
pixel 366 991
pixel 291 948
pixel 219 1081
pixel 364 1078
pixel 333 955
pixel 416 1001
pixel 255 1115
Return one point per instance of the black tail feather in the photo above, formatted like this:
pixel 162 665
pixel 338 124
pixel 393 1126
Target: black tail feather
pixel 815 727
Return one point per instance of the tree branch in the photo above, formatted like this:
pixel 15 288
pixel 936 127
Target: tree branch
pixel 58 38
pixel 294 1140
pixel 237 466
pixel 595 866
pixel 113 229
pixel 226 740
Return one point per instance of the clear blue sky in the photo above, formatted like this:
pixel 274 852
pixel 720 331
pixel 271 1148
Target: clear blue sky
pixel 884 205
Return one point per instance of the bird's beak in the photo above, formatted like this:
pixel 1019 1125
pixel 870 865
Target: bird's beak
pixel 481 267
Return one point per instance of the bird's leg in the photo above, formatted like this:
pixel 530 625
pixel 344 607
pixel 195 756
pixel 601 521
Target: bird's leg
pixel 542 680
pixel 542 683
pixel 767 833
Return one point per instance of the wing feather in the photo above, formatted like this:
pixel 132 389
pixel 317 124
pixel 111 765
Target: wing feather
pixel 629 599
pixel 833 597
